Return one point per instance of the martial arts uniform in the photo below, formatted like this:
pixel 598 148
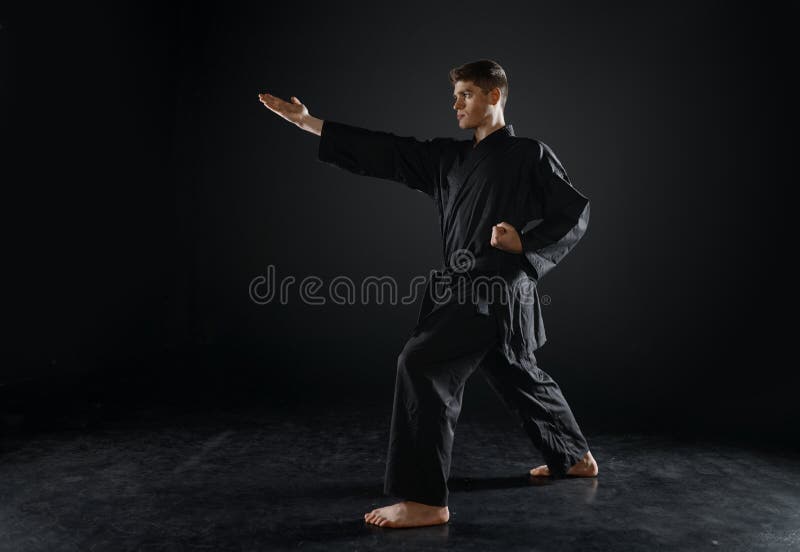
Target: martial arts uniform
pixel 504 178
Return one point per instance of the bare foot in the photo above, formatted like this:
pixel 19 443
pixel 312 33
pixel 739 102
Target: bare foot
pixel 586 467
pixel 408 514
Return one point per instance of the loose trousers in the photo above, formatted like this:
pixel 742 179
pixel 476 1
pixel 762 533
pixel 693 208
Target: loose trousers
pixel 432 369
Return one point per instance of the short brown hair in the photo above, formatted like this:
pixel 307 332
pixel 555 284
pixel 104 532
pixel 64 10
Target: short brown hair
pixel 486 74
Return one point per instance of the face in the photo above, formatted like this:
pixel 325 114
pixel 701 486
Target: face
pixel 472 105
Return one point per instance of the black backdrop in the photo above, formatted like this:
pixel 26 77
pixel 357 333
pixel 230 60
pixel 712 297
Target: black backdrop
pixel 146 187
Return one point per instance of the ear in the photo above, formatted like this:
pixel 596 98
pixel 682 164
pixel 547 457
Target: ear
pixel 495 95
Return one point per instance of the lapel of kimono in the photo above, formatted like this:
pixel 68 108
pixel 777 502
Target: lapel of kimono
pixel 473 156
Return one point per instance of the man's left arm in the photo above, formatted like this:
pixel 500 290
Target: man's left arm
pixel 565 216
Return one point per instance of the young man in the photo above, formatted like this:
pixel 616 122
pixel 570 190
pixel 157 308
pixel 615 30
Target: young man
pixel 486 190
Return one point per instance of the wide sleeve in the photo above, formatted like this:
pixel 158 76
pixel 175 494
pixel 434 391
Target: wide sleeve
pixel 564 212
pixel 403 159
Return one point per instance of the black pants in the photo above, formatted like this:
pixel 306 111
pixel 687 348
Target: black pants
pixel 443 351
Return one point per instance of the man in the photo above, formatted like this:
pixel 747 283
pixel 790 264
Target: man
pixel 486 191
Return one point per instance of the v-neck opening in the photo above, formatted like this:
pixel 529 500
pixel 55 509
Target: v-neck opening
pixel 504 131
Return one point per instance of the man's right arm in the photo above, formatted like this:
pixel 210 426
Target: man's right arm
pixel 294 112
pixel 403 159
pixel 312 125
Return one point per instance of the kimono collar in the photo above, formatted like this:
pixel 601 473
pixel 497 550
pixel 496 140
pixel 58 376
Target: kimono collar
pixel 502 132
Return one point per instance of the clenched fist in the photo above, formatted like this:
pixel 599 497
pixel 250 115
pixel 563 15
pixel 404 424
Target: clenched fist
pixel 506 237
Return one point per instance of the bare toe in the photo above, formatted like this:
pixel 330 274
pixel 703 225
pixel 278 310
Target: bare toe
pixel 540 471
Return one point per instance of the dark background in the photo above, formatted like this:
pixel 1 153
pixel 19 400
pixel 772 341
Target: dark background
pixel 145 187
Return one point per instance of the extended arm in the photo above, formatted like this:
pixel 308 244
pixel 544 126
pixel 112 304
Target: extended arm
pixel 367 152
pixel 382 155
pixel 294 112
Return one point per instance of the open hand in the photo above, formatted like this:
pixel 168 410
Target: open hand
pixel 294 112
pixel 506 237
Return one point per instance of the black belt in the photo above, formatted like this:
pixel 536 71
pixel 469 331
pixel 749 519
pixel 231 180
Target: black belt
pixel 458 277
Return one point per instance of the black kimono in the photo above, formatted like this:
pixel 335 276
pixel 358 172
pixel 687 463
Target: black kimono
pixel 503 178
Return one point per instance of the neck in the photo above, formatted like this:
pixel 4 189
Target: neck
pixel 487 127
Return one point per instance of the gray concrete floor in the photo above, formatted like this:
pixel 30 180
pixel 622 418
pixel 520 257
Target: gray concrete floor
pixel 253 480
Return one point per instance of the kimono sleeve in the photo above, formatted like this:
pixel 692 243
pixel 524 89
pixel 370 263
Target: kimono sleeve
pixel 407 160
pixel 564 212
